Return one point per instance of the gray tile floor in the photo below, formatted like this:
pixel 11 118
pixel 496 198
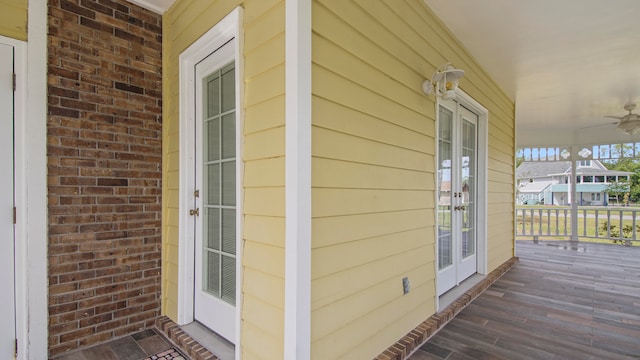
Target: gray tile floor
pixel 147 345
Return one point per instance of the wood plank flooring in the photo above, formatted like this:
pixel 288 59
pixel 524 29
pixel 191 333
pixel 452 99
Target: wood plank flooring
pixel 560 302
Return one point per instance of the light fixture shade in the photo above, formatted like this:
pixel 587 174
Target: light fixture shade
pixel 444 82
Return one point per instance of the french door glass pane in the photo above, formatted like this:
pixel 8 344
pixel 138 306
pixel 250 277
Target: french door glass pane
pixel 212 279
pixel 213 94
pixel 468 188
pixel 213 228
pixel 445 240
pixel 228 99
pixel 228 136
pixel 213 182
pixel 229 183
pixel 229 231
pixel 219 180
pixel 213 130
pixel 228 288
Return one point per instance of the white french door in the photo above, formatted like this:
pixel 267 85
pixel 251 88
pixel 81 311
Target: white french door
pixel 7 239
pixel 457 195
pixel 215 213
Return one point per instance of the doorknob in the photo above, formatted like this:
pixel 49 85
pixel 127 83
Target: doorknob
pixel 195 212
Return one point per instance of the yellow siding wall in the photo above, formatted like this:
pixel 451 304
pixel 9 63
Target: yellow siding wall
pixel 374 173
pixel 13 19
pixel 263 262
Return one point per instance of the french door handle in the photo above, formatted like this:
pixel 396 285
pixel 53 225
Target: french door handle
pixel 194 212
pixel 461 207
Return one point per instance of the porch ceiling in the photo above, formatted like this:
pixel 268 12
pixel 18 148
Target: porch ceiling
pixel 566 63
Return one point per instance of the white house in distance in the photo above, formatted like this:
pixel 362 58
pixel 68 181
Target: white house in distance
pixel 548 182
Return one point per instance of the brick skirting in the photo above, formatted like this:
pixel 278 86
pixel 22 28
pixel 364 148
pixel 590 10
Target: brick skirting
pixel 423 332
pixel 182 340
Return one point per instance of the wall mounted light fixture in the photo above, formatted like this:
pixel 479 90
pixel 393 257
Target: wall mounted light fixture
pixel 444 82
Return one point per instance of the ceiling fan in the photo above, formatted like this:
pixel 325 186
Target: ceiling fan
pixel 629 123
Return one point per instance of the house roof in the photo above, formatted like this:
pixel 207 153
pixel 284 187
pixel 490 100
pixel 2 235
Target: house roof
pixel 528 170
pixel 533 187
pixel 532 170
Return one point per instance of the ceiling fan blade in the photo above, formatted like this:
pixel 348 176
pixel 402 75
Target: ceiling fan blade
pixel 599 125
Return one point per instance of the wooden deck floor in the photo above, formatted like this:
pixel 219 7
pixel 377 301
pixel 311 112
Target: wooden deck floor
pixel 559 302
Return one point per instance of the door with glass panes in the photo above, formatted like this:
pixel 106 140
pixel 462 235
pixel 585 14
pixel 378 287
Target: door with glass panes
pixel 457 193
pixel 215 199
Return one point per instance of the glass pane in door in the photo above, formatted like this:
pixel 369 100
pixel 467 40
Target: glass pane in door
pixel 445 196
pixel 469 180
pixel 219 185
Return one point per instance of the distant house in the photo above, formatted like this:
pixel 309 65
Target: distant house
pixel 549 182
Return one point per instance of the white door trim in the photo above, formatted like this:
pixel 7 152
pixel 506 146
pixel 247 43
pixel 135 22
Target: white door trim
pixel 31 185
pixel 229 27
pixel 297 301
pixel 9 260
pixel 483 150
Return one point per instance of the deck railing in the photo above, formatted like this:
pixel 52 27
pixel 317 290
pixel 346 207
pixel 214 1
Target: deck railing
pixel 615 224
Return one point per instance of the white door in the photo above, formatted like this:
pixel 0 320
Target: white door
pixel 7 252
pixel 216 175
pixel 457 194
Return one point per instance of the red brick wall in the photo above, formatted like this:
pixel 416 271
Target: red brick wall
pixel 104 162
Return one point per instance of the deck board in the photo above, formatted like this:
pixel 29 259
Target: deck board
pixel 561 301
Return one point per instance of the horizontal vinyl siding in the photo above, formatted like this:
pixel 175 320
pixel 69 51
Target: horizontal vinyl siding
pixel 263 263
pixel 373 170
pixel 263 289
pixel 13 19
pixel 373 185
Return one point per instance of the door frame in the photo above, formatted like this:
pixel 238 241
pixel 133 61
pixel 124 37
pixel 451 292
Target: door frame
pixel 31 186
pixel 226 29
pixel 471 104
pixel 219 311
pixel 30 230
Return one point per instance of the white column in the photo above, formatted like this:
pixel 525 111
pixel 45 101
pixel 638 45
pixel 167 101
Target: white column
pixel 574 198
pixel 297 302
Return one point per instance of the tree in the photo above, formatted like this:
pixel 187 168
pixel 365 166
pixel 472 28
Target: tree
pixel 617 189
pixel 629 165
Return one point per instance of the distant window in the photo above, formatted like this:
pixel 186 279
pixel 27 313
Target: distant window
pixel 584 163
pixel 611 179
pixel 599 179
pixel 587 179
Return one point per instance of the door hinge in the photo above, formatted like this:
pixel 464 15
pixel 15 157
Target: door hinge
pixel 15 351
pixel 14 82
pixel 15 215
pixel 196 193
